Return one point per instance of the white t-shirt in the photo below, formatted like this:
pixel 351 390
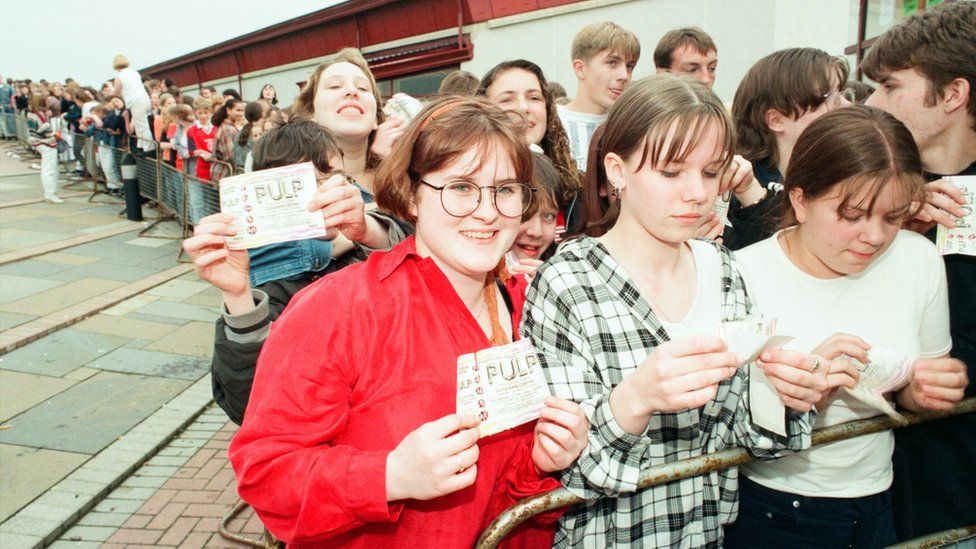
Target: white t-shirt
pixel 132 88
pixel 579 128
pixel 899 303
pixel 705 313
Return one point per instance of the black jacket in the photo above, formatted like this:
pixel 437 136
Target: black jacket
pixel 233 364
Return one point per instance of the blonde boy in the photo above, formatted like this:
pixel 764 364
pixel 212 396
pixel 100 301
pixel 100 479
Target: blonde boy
pixel 604 56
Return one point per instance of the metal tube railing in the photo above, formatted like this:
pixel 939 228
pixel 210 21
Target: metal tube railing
pixel 940 539
pixel 522 511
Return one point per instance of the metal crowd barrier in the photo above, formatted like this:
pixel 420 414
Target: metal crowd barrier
pixel 8 125
pixel 522 511
pixel 23 131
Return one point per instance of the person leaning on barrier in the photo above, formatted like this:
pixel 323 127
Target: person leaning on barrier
pixel 617 321
pixel 927 80
pixel 128 85
pixel 351 438
pixel 248 313
pixel 843 265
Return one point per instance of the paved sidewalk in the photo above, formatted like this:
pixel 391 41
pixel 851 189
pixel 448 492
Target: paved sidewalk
pixel 105 355
pixel 176 500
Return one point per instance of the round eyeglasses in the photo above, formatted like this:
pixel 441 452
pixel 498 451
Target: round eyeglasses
pixel 462 198
pixel 836 99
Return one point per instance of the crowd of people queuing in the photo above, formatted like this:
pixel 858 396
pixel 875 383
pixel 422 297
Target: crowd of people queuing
pixel 211 134
pixel 616 229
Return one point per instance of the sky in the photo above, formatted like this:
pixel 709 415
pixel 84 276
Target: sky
pixel 56 39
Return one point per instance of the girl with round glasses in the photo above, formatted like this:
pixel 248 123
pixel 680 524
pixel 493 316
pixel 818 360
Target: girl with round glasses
pixel 350 438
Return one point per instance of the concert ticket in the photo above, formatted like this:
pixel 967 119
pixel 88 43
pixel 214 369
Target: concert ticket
pixel 885 371
pixel 503 386
pixel 962 239
pixel 270 206
pixel 749 338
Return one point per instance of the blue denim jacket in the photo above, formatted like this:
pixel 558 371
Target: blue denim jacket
pixel 289 260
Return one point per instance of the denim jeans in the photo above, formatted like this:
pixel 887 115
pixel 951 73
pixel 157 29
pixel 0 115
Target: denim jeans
pixel 770 518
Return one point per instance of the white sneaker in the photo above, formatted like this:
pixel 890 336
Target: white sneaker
pixel 35 166
pixel 53 198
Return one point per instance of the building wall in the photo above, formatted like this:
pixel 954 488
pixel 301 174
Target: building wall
pixel 744 31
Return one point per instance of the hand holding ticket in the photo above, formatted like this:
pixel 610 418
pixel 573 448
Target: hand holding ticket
pixel 270 206
pixel 962 239
pixel 884 372
pixel 503 386
pixel 749 338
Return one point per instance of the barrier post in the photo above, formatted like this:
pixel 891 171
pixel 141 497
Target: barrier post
pixel 130 188
pixel 522 511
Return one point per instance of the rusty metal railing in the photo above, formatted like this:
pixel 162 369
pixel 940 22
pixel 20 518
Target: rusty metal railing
pixel 942 539
pixel 510 518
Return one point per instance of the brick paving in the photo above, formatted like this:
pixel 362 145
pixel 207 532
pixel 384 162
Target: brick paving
pixel 105 340
pixel 194 489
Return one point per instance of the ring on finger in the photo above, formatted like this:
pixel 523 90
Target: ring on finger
pixel 461 466
pixel 816 364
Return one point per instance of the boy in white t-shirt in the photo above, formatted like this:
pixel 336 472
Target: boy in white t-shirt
pixel 604 57
pixel 848 285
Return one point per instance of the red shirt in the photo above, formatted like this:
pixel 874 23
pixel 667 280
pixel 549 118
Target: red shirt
pixel 202 140
pixel 356 362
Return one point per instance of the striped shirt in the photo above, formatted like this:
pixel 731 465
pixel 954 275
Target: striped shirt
pixel 579 130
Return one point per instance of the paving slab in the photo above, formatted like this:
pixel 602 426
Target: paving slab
pixel 15 239
pixel 14 186
pixel 62 225
pixel 60 352
pixel 13 216
pixel 108 270
pixel 20 391
pixel 157 318
pixel 130 305
pixel 180 310
pixel 62 210
pixel 36 267
pixel 62 297
pixel 13 287
pixel 194 338
pixel 148 242
pixel 26 473
pixel 9 320
pixel 75 422
pixel 66 258
pixel 139 343
pixel 126 327
pixel 211 297
pixel 153 363
pixel 80 374
pixel 179 290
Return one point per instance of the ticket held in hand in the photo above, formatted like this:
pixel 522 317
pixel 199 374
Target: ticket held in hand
pixel 503 386
pixel 270 206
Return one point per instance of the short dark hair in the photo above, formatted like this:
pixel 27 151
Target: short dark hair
pixel 861 90
pixel 791 81
pixel 940 43
pixel 299 140
pixel 688 36
pixel 233 93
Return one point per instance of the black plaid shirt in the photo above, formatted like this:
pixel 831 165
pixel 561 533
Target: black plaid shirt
pixel 592 328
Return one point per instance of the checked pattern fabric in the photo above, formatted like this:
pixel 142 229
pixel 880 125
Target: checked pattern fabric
pixel 592 328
